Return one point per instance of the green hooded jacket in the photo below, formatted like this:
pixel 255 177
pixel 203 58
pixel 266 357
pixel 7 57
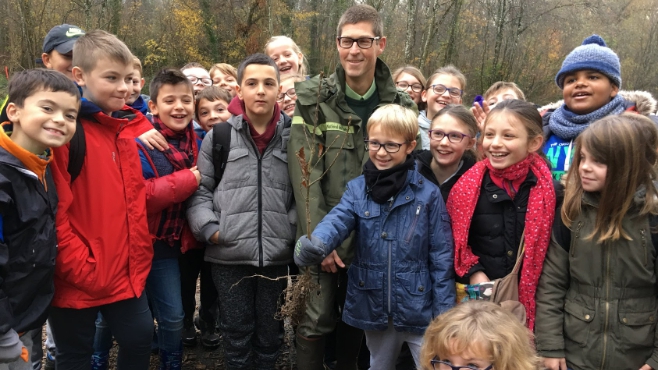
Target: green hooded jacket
pixel 341 134
pixel 596 302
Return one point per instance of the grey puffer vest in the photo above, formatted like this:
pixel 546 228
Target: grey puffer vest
pixel 252 207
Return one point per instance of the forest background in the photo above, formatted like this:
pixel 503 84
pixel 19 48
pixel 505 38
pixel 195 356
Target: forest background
pixel 524 41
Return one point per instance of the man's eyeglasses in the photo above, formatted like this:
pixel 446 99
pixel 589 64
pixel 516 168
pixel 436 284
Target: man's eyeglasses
pixel 404 86
pixel 290 92
pixel 436 365
pixel 441 89
pixel 204 81
pixel 453 137
pixel 363 42
pixel 388 147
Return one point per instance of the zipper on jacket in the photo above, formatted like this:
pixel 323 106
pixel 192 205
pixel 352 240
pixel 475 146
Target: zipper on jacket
pixel 260 203
pixel 573 245
pixel 644 247
pixel 413 224
pixel 389 277
pixel 607 304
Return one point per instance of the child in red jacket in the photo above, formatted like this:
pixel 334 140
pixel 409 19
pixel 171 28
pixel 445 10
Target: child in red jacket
pixel 105 250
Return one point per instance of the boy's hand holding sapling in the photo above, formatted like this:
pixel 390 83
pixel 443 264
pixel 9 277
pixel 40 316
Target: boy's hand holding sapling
pixel 309 252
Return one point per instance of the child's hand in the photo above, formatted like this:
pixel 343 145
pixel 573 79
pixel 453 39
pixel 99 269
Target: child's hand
pixel 197 174
pixel 11 347
pixel 309 252
pixel 646 367
pixel 480 112
pixel 154 139
pixel 332 262
pixel 557 364
pixel 215 238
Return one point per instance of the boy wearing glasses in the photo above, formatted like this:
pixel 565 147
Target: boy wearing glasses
pixel 198 75
pixel 346 99
pixel 402 274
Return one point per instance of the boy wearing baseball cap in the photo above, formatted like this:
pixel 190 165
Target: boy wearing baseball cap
pixel 58 48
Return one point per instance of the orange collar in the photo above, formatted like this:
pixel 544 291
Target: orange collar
pixel 31 161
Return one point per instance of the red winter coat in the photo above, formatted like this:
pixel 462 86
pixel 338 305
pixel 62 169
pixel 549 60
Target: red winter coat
pixel 105 250
pixel 164 191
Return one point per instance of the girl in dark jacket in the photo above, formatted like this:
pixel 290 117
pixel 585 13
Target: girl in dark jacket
pixel 508 192
pixel 596 300
pixel 452 148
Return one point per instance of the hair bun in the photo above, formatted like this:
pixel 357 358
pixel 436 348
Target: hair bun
pixel 595 39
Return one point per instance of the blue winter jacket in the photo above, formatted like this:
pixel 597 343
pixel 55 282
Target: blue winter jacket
pixel 403 266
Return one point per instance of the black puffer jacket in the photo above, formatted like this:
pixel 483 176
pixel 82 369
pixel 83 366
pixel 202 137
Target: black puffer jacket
pixel 28 245
pixel 424 161
pixel 497 226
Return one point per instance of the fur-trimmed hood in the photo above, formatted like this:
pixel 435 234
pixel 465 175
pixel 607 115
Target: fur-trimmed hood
pixel 644 102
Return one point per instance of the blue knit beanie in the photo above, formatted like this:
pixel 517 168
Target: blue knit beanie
pixel 595 55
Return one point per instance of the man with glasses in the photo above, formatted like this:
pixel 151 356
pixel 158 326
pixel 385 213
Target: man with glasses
pixel 345 101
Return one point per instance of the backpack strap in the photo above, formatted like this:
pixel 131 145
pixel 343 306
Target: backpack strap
pixel 221 139
pixel 77 151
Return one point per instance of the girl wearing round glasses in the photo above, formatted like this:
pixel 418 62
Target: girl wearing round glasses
pixel 411 80
pixel 477 335
pixel 287 97
pixel 452 148
pixel 445 86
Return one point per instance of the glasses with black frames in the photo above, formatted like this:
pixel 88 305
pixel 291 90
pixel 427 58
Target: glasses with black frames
pixel 441 89
pixel 363 42
pixel 203 81
pixel 436 365
pixel 290 92
pixel 402 85
pixel 389 147
pixel 453 137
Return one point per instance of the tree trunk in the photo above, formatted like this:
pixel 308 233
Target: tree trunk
pixel 409 41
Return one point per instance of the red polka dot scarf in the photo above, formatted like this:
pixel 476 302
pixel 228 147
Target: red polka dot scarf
pixel 538 221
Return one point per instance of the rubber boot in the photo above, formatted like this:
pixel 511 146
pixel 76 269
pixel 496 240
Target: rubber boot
pixel 170 360
pixel 348 343
pixel 310 353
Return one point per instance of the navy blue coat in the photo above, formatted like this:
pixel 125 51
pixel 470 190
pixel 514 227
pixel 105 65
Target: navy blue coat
pixel 403 266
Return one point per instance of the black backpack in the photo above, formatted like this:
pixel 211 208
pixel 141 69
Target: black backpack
pixel 221 139
pixel 78 145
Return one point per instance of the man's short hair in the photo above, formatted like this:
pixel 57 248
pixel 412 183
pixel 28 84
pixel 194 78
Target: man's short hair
pixel 362 13
pixel 96 45
pixel 29 82
pixel 167 76
pixel 258 58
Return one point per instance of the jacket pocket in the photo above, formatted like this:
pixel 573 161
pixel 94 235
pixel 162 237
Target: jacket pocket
pixel 637 328
pixel 365 294
pixel 414 297
pixel 577 320
pixel 278 169
pixel 414 223
pixel 237 166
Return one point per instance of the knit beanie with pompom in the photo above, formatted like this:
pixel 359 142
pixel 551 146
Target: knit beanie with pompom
pixel 594 55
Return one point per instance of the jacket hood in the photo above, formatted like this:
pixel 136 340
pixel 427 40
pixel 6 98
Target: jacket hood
pixel 643 100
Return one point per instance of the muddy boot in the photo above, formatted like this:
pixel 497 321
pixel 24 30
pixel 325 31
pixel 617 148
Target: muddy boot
pixel 310 353
pixel 348 343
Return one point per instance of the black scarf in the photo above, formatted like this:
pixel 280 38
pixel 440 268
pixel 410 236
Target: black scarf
pixel 381 185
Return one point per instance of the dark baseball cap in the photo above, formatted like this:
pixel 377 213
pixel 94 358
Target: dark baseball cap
pixel 62 38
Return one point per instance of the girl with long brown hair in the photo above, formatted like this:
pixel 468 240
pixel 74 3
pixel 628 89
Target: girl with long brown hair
pixel 596 300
